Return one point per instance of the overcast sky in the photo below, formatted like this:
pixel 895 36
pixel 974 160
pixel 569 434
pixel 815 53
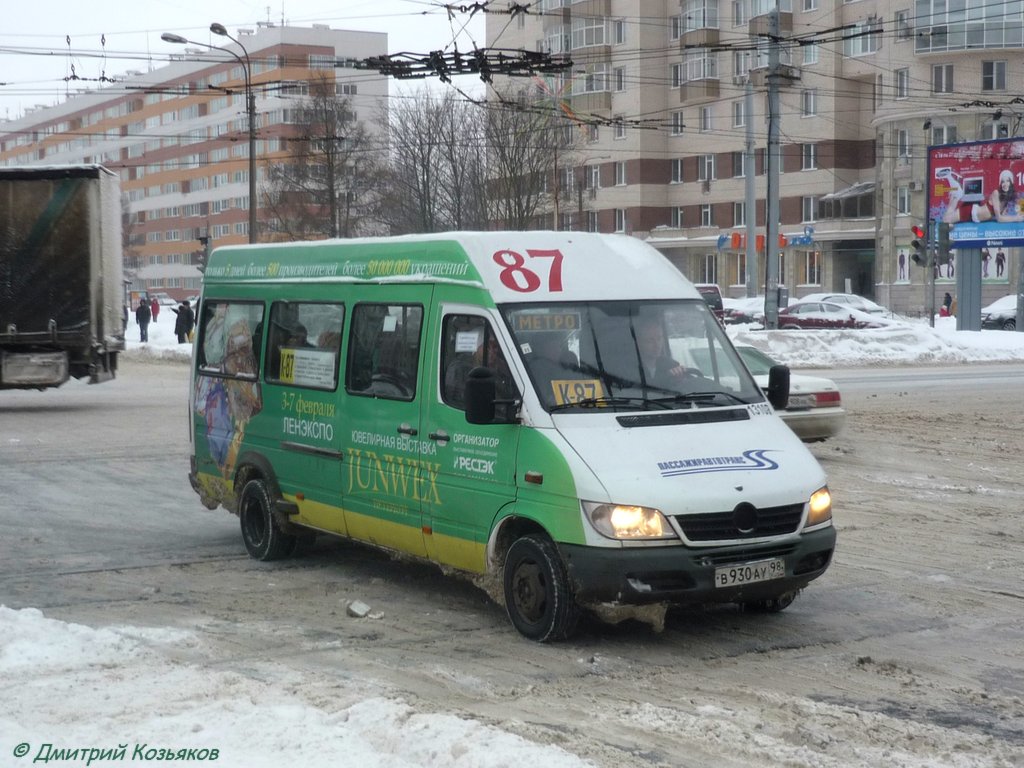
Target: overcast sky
pixel 34 49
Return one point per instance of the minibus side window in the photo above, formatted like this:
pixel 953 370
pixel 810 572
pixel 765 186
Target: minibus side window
pixel 384 348
pixel 228 341
pixel 303 344
pixel 469 341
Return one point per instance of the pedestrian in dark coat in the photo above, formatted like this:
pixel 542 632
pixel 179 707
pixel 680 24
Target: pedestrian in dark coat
pixel 142 316
pixel 185 322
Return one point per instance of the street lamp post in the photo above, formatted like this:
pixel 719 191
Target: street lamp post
pixel 250 107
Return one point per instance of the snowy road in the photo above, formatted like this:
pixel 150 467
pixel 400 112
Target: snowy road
pixel 908 652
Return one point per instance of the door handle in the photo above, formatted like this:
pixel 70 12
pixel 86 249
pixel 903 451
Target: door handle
pixel 440 435
pixel 406 429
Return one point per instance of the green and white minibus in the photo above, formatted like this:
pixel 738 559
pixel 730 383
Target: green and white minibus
pixel 560 410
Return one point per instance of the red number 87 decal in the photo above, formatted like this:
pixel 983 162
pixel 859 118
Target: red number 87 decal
pixel 516 277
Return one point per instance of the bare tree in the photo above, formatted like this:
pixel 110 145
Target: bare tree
pixel 437 168
pixel 328 184
pixel 529 144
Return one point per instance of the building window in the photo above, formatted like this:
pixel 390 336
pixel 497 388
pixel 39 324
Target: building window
pixel 993 75
pixel 739 214
pixel 618 30
pixel 942 78
pixel 944 134
pixel 902 83
pixel 706 218
pixel 589 31
pixel 620 128
pixel 620 220
pixel 812 268
pixel 619 78
pixel 864 38
pixel 903 200
pixel 592 221
pixel 808 206
pixel 739 115
pixel 903 147
pixel 809 154
pixel 593 177
pixel 705 119
pixel 903 30
pixel 739 13
pixel 676 75
pixel 740 269
pixel 811 53
pixel 675 27
pixel 706 167
pixel 995 129
pixel 677 124
pixel 592 133
pixel 700 14
pixel 738 170
pixel 677 170
pixel 709 269
pixel 620 173
pixel 809 102
pixel 701 65
pixel 676 217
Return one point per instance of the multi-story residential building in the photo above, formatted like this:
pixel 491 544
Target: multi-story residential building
pixel 659 86
pixel 179 137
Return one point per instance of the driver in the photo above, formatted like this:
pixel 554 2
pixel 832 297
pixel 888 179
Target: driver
pixel 659 369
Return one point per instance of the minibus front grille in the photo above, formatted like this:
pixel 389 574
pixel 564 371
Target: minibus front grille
pixel 696 416
pixel 718 526
pixel 732 555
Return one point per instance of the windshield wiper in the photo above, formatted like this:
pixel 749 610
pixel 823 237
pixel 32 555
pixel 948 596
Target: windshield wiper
pixel 612 402
pixel 695 397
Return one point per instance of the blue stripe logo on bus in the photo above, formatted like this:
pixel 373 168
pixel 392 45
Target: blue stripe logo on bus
pixel 748 460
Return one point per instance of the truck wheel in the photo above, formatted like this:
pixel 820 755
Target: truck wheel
pixel 263 537
pixel 537 595
pixel 1010 324
pixel 772 604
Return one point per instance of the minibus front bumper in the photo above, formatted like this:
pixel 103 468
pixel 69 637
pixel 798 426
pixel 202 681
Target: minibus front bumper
pixel 697 575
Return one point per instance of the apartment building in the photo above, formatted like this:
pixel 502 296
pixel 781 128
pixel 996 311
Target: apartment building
pixel 659 88
pixel 178 135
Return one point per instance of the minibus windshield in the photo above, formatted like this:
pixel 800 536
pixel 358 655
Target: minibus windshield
pixel 629 355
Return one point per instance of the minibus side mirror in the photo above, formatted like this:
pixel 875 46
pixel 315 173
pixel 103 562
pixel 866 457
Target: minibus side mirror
pixel 481 390
pixel 778 387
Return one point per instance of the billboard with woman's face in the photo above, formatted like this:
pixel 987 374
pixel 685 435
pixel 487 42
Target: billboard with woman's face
pixel 978 189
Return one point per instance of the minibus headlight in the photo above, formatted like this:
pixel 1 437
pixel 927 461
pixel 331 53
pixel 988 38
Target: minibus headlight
pixel 624 521
pixel 820 507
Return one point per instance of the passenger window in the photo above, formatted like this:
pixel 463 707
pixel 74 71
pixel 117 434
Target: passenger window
pixel 384 346
pixel 303 344
pixel 228 341
pixel 469 341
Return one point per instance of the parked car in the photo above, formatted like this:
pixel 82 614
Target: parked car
pixel 824 314
pixel 815 411
pixel 748 310
pixel 847 299
pixel 163 300
pixel 1001 314
pixel 712 297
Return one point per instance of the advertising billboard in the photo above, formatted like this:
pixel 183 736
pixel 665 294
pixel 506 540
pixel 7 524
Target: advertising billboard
pixel 978 189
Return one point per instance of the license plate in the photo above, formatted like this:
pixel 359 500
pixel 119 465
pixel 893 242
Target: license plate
pixel 800 402
pixel 748 573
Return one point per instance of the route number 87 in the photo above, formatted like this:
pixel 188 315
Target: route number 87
pixel 517 277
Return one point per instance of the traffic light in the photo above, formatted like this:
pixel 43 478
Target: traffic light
pixel 943 238
pixel 919 246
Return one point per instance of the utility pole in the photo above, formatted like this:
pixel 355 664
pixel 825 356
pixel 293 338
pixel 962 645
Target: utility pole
pixel 771 238
pixel 750 202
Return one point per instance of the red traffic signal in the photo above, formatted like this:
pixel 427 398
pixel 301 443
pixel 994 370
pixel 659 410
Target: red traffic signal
pixel 918 231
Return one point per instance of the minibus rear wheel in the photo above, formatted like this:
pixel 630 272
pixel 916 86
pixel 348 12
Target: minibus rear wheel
pixel 263 537
pixel 537 594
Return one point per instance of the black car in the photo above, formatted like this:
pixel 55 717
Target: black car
pixel 1001 314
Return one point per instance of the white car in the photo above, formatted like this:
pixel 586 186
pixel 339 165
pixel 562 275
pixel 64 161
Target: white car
pixel 847 299
pixel 815 411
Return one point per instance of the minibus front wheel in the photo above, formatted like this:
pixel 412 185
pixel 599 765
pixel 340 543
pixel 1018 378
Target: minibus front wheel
pixel 263 537
pixel 538 598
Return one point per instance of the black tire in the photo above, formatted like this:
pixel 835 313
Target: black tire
pixel 772 604
pixel 1010 324
pixel 263 537
pixel 538 598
